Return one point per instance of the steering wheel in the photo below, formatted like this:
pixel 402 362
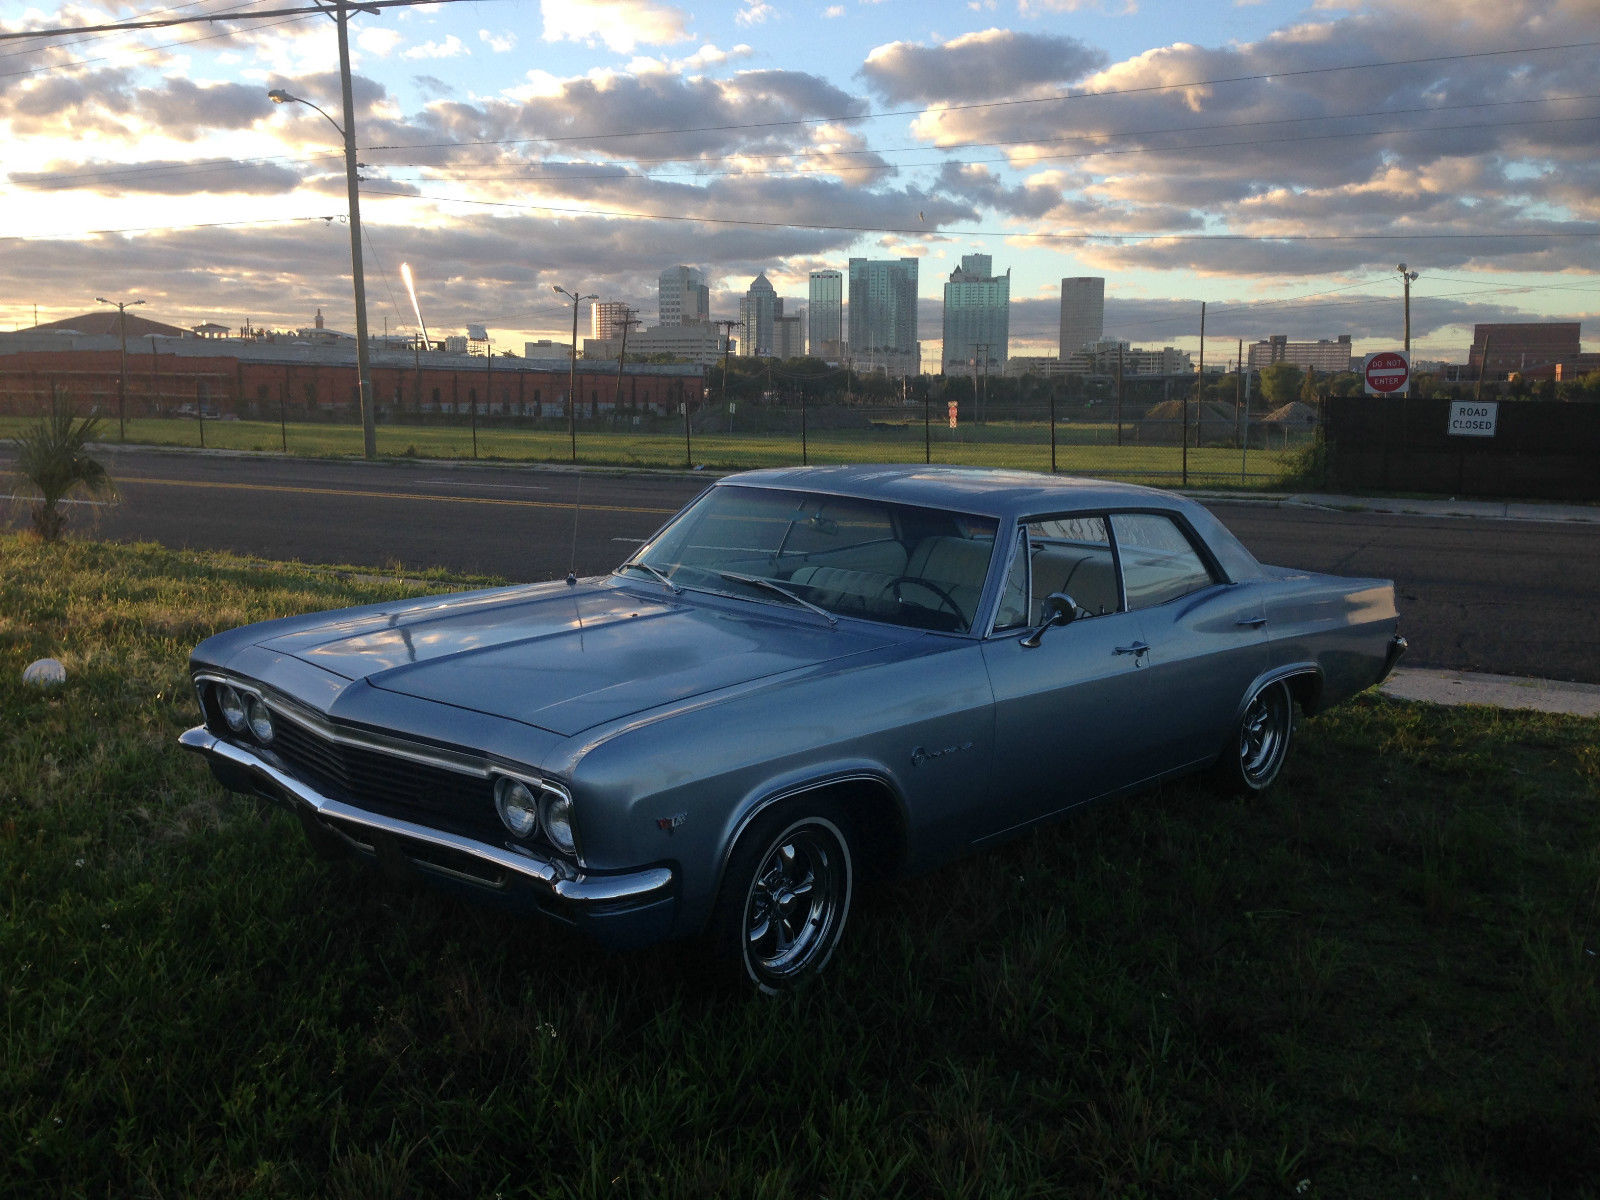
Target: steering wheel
pixel 945 599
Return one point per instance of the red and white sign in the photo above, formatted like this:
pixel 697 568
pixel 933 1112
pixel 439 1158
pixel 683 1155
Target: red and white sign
pixel 1387 372
pixel 951 409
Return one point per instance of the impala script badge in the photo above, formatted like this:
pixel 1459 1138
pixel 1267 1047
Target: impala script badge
pixel 920 756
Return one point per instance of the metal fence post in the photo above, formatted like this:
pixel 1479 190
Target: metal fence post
pixel 805 460
pixel 1052 429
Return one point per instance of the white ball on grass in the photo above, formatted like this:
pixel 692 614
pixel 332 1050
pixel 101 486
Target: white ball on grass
pixel 46 672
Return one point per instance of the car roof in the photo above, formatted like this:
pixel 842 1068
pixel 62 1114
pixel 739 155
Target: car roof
pixel 985 491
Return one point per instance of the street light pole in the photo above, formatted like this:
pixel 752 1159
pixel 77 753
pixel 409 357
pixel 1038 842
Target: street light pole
pixel 1406 277
pixel 122 373
pixel 347 132
pixel 572 370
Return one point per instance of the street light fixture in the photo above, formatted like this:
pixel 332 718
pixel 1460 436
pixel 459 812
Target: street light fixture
pixel 572 370
pixel 122 374
pixel 369 433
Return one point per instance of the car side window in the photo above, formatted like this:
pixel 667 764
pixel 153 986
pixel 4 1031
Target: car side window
pixel 1014 608
pixel 1159 563
pixel 1071 555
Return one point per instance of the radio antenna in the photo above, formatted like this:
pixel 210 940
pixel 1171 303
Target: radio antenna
pixel 572 559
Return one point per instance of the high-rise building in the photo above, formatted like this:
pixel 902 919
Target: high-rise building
pixel 883 315
pixel 685 298
pixel 789 335
pixel 1521 345
pixel 1321 355
pixel 977 318
pixel 757 312
pixel 1083 313
pixel 827 315
pixel 606 318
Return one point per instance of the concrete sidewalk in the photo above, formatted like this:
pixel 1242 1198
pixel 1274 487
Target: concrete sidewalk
pixel 1495 691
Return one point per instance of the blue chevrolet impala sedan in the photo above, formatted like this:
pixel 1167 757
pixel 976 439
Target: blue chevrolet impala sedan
pixel 807 678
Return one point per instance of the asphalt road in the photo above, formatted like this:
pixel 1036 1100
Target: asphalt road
pixel 1505 597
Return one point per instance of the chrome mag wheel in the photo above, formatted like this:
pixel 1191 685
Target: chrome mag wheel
pixel 1264 734
pixel 796 903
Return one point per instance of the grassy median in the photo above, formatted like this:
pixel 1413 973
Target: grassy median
pixel 1381 980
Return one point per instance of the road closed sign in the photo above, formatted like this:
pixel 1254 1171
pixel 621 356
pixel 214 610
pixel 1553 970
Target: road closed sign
pixel 1387 372
pixel 1473 418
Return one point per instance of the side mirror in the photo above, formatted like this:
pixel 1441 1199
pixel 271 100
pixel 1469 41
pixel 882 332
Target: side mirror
pixel 1059 609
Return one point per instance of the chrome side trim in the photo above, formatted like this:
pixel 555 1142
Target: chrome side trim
pixel 557 878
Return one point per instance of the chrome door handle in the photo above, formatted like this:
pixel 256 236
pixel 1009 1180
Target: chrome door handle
pixel 1251 622
pixel 1136 648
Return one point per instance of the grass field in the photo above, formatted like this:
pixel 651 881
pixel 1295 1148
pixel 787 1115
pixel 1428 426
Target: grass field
pixel 1378 981
pixel 1081 449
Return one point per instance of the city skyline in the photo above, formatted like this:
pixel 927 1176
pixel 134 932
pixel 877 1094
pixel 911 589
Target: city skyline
pixel 1272 159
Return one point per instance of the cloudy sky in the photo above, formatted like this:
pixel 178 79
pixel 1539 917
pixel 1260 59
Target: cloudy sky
pixel 1274 160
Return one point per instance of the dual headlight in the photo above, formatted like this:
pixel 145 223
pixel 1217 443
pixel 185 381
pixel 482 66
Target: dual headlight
pixel 245 710
pixel 526 809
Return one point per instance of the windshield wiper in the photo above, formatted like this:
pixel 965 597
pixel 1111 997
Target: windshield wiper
pixel 660 576
pixel 773 586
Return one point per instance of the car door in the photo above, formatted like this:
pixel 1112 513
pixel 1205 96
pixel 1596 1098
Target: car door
pixel 1070 721
pixel 1205 637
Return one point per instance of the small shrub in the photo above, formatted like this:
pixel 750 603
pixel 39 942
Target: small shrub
pixel 51 457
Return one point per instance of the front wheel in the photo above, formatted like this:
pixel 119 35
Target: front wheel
pixel 1260 745
pixel 785 898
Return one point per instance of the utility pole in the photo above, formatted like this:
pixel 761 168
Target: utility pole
pixel 727 328
pixel 347 132
pixel 980 351
pixel 1119 393
pixel 1406 277
pixel 572 370
pixel 628 319
pixel 122 374
pixel 369 429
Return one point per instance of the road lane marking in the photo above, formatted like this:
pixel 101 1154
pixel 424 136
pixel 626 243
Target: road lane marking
pixel 565 506
pixel 515 487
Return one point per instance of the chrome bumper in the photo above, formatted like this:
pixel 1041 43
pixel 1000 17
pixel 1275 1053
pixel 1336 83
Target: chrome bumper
pixel 554 877
pixel 1397 647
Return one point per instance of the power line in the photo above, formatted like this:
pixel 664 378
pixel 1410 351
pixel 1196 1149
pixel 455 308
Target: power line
pixel 510 172
pixel 210 37
pixel 923 231
pixel 1014 101
pixel 1082 137
pixel 1100 152
pixel 39 237
pixel 368 6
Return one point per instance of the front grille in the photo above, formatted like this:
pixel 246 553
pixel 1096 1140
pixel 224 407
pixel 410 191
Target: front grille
pixel 390 785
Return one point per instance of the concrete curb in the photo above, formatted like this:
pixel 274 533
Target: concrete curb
pixel 1477 510
pixel 1495 691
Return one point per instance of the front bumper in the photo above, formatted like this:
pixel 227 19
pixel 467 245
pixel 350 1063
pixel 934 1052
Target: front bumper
pixel 632 908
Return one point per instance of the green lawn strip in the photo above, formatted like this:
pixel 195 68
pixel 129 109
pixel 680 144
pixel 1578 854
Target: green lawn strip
pixel 1379 979
pixel 1081 448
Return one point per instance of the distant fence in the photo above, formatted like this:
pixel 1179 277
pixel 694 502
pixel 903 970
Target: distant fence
pixel 1540 449
pixel 1169 444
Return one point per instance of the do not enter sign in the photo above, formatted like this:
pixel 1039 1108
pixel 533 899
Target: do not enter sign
pixel 1387 372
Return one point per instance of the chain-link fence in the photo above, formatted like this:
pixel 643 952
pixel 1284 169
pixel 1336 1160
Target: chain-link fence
pixel 1170 443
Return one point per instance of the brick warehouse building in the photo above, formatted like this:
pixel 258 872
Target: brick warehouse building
pixel 265 378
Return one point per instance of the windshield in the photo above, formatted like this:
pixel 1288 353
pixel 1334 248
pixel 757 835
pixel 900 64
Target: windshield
pixel 920 567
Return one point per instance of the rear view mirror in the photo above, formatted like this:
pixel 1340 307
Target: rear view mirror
pixel 1059 609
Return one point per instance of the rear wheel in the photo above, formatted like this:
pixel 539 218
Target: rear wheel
pixel 1260 745
pixel 785 897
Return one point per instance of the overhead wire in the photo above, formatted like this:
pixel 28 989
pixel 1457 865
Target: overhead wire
pixel 511 172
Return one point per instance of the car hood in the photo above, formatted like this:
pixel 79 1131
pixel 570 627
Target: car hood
pixel 566 660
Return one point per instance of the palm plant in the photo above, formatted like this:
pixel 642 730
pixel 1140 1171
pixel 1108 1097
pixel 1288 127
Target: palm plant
pixel 51 456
